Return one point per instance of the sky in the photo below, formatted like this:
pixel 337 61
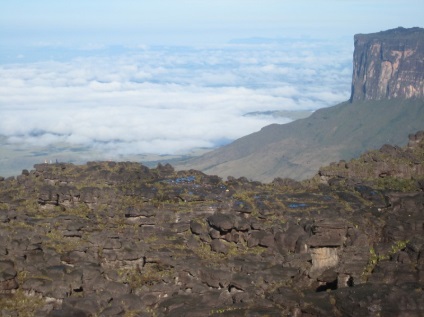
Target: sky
pixel 99 22
pixel 168 76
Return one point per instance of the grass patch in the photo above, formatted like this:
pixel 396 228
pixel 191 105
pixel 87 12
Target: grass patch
pixel 20 304
pixel 374 259
pixel 149 275
pixel 397 184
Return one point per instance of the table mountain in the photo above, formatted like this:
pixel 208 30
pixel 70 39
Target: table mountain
pixel 388 65
pixel 387 104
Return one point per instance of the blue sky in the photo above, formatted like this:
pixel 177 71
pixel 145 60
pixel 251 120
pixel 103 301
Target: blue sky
pixel 134 22
pixel 110 75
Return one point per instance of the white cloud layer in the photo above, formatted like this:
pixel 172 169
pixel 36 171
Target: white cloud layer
pixel 168 100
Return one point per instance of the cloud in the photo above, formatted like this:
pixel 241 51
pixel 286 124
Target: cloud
pixel 167 100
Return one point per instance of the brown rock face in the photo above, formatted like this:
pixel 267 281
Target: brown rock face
pixel 388 64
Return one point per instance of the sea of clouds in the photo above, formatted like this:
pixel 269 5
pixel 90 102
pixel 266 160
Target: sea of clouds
pixel 166 100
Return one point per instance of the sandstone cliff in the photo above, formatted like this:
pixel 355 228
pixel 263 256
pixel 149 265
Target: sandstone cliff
pixel 387 104
pixel 388 64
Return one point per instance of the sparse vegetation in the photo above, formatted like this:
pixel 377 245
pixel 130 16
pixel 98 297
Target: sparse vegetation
pixel 149 275
pixel 397 184
pixel 21 304
pixel 123 226
pixel 374 259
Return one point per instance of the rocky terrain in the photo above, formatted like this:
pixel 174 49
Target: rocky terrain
pixel 387 104
pixel 120 239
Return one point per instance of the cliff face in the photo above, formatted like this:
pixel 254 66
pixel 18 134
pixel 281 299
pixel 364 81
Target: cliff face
pixel 386 105
pixel 388 64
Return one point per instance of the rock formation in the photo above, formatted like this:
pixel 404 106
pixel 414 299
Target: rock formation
pixel 386 105
pixel 388 65
pixel 120 239
pixel 389 162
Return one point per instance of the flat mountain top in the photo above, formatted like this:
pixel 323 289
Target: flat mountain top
pixel 386 104
pixel 394 34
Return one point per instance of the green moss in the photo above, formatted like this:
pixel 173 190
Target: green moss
pixel 374 259
pixel 398 184
pixel 223 311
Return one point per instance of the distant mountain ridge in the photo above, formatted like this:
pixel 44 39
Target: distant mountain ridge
pixel 384 108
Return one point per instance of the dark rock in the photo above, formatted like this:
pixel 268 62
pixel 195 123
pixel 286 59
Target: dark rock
pixel 112 311
pixel 130 302
pixel 196 227
pixel 139 212
pixel 384 300
pixel 286 241
pixel 68 312
pixel 221 222
pixel 8 280
pixel 328 233
pixel 286 297
pixel 371 194
pixel 214 234
pixel 242 224
pixel 92 240
pixel 88 305
pixel 254 238
pixel 219 246
pixel 39 285
pixel 215 278
pixel 267 240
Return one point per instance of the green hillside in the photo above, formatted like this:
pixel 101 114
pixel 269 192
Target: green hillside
pixel 298 149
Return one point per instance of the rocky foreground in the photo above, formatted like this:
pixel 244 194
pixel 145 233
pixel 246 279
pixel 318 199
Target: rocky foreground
pixel 120 239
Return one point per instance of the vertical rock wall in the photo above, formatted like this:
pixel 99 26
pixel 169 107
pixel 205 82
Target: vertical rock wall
pixel 388 65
